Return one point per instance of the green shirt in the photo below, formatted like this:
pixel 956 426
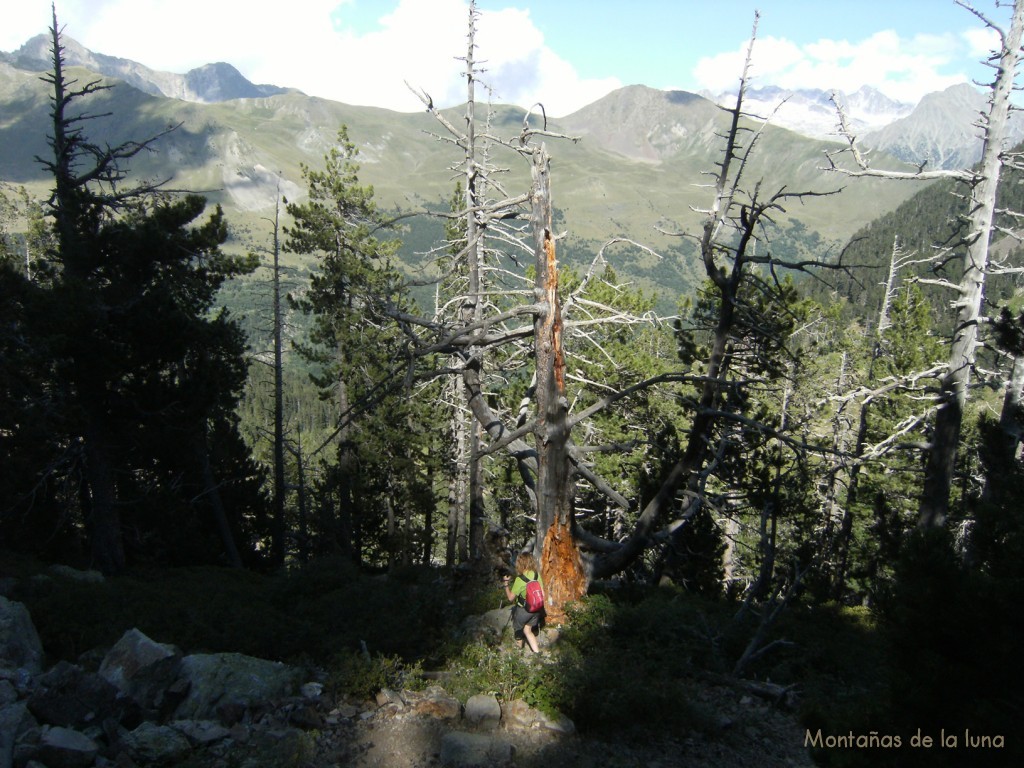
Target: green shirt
pixel 519 585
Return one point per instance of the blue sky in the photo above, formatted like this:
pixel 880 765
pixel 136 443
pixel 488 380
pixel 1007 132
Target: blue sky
pixel 563 53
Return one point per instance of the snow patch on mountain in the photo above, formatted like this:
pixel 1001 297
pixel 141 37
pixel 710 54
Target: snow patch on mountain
pixel 811 112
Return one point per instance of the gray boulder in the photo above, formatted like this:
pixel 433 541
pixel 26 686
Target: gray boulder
pixel 20 647
pixel 68 696
pixel 483 712
pixel 152 744
pixel 222 685
pixel 15 722
pixel 130 656
pixel 488 627
pixel 146 671
pixel 65 748
pixel 200 732
pixel 518 715
pixel 8 693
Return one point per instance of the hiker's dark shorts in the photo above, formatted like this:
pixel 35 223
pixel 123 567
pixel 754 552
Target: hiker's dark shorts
pixel 521 617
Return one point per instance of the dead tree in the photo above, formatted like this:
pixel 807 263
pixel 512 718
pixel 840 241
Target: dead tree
pixel 981 184
pixel 737 214
pixel 539 436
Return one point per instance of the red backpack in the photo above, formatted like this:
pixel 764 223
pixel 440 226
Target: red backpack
pixel 533 600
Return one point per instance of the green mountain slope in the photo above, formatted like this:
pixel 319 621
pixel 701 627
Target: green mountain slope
pixel 641 161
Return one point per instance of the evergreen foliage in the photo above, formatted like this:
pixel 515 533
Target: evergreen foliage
pixel 118 370
pixel 379 480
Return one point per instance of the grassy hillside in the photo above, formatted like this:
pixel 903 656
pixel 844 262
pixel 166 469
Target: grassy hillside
pixel 640 161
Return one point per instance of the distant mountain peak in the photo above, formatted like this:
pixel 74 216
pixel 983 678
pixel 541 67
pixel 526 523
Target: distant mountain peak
pixel 209 83
pixel 811 112
pixel 941 131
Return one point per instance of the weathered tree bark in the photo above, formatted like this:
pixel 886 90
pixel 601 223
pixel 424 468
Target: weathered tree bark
pixel 561 565
pixel 1010 415
pixel 472 310
pixel 941 459
pixel 477 512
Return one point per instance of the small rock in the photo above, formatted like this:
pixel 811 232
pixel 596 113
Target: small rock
pixel 131 657
pixel 312 690
pixel 435 702
pixel 518 715
pixel 560 724
pixel 231 677
pixel 483 711
pixel 346 711
pixel 201 732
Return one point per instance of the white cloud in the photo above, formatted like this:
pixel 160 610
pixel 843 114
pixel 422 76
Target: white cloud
pixel 980 41
pixel 311 45
pixel 903 68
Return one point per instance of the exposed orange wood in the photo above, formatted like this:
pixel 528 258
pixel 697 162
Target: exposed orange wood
pixel 562 569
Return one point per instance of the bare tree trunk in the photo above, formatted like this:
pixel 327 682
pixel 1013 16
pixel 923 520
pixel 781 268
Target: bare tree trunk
pixel 1008 444
pixel 565 579
pixel 1010 416
pixel 840 554
pixel 476 497
pixel 458 484
pixel 278 536
pixel 472 309
pixel 942 453
pixel 730 560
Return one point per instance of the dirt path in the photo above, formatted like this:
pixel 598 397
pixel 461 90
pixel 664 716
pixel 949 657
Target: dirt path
pixel 751 733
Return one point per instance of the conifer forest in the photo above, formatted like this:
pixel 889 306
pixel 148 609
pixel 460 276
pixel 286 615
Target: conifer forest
pixel 809 452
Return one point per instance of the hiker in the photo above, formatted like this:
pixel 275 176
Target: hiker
pixel 524 622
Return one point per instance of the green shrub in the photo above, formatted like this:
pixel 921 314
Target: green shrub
pixel 352 674
pixel 485 669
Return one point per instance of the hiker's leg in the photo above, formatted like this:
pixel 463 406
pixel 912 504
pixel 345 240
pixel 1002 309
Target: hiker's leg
pixel 531 638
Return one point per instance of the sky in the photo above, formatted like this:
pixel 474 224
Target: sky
pixel 563 54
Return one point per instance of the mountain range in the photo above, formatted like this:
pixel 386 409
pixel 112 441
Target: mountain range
pixel 637 170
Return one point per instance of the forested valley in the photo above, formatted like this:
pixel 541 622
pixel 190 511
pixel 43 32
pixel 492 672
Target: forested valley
pixel 804 482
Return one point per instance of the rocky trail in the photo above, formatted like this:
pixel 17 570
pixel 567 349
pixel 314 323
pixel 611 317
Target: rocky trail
pixel 142 703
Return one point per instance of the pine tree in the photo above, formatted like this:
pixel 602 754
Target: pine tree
pixel 352 348
pixel 141 369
